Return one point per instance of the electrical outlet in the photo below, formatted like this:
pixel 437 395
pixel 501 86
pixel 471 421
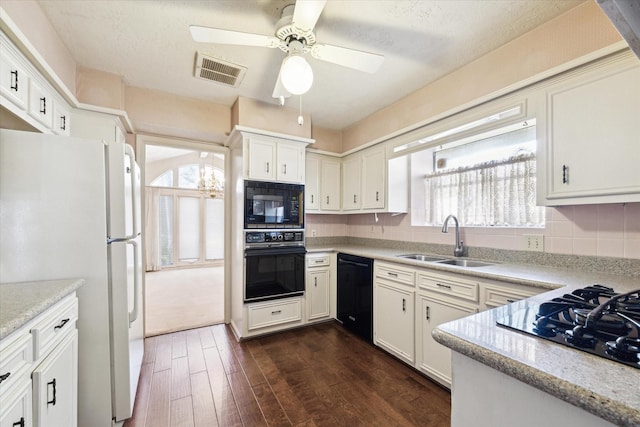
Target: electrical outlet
pixel 534 242
pixel 313 233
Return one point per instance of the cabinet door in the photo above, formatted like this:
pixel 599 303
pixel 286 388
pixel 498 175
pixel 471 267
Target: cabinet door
pixel 40 104
pixel 592 136
pixel 61 120
pixel 312 184
pixel 262 155
pixel 290 162
pixel 16 409
pixel 55 386
pixel 318 293
pixel 351 175
pixel 433 358
pixel 13 80
pixel 373 179
pixel 330 185
pixel 394 320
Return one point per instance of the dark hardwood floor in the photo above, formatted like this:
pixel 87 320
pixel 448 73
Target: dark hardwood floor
pixel 315 376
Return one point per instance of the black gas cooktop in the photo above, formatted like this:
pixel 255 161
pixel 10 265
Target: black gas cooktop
pixel 594 319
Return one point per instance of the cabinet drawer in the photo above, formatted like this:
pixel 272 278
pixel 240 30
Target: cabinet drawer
pixel 262 315
pixel 52 328
pixel 318 260
pixel 395 273
pixel 449 285
pixel 495 296
pixel 15 359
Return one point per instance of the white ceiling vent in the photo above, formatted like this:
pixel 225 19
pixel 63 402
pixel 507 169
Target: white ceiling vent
pixel 217 70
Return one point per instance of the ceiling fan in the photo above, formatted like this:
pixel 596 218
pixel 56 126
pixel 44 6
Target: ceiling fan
pixel 294 35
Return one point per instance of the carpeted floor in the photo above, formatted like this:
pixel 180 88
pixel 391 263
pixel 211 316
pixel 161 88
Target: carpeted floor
pixel 181 299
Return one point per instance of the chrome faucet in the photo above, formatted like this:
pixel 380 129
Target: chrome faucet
pixel 459 250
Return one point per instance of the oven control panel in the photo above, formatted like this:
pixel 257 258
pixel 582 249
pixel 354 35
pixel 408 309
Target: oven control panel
pixel 271 237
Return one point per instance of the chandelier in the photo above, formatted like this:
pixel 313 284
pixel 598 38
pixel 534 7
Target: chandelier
pixel 208 184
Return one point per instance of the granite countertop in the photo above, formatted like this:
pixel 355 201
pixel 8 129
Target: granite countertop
pixel 534 361
pixel 21 302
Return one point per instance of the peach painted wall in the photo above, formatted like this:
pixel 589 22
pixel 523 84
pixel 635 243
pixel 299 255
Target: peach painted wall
pixel 33 23
pixel 578 32
pixel 100 88
pixel 327 139
pixel 161 113
pixel 271 117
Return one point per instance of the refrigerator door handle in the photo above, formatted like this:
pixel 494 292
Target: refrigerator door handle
pixel 133 315
pixel 131 170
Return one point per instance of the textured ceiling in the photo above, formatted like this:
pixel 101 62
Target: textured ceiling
pixel 148 42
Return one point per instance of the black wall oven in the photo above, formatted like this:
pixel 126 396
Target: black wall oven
pixel 273 205
pixel 274 265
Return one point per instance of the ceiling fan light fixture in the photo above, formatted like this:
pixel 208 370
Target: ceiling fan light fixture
pixel 296 74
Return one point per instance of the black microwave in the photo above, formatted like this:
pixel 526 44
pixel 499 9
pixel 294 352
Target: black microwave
pixel 273 205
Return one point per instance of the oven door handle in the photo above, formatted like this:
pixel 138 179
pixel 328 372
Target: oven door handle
pixel 275 251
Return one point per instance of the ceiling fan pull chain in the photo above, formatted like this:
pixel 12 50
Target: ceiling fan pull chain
pixel 300 118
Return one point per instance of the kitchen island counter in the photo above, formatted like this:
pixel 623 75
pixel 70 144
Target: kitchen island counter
pixel 606 389
pixel 21 302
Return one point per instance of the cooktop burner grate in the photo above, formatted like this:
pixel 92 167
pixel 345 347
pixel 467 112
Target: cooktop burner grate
pixel 594 319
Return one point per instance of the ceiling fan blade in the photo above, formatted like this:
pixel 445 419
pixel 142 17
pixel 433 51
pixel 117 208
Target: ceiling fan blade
pixel 306 14
pixel 279 90
pixel 216 35
pixel 356 59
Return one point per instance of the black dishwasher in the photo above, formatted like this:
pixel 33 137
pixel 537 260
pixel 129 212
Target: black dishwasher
pixel 355 294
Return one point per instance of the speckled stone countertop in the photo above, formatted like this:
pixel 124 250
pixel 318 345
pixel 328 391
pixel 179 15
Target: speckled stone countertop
pixel 571 375
pixel 21 302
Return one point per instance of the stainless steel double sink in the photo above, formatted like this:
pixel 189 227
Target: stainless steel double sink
pixel 446 261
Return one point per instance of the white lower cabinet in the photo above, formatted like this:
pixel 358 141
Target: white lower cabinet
pixel 394 319
pixel 318 286
pixel 393 310
pixel 39 370
pixel 55 386
pixel 434 359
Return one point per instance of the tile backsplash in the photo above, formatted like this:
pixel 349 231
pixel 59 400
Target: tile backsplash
pixel 593 230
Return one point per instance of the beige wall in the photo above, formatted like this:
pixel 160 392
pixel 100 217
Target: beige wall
pixel 271 117
pixel 578 32
pixel 160 113
pixel 327 139
pixel 100 88
pixel 33 23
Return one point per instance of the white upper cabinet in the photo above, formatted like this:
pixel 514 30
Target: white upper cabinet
pixel 322 185
pixel 270 159
pixel 373 179
pixel 40 104
pixel 14 80
pixel 351 177
pixel 591 140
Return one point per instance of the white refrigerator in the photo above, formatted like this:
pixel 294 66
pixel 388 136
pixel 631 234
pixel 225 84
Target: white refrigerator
pixel 70 208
